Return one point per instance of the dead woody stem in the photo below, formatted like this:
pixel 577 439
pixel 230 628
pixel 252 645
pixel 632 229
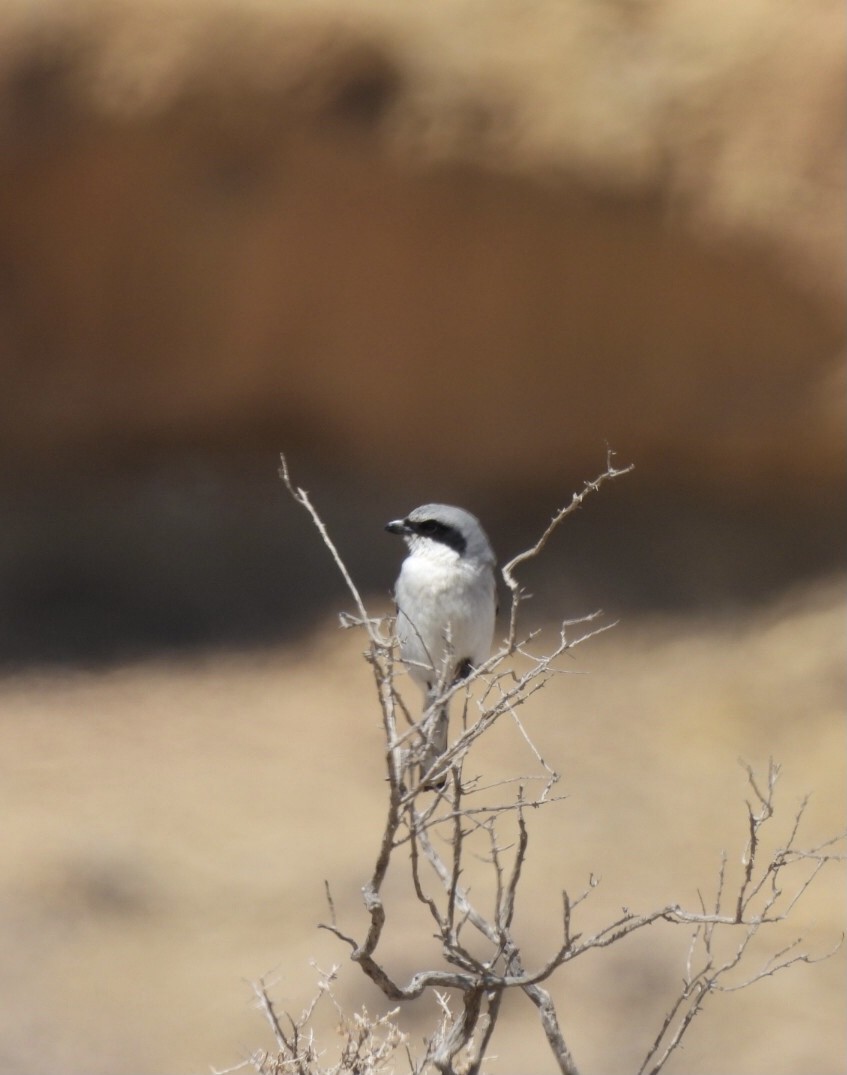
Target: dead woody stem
pixel 444 829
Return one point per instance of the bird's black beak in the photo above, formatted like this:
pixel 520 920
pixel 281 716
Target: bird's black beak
pixel 397 526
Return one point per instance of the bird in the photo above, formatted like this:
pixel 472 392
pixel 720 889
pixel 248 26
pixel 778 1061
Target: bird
pixel 446 603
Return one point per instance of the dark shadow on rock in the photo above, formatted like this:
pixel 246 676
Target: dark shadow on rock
pixel 196 553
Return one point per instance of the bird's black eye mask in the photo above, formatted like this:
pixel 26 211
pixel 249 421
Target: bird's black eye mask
pixel 447 535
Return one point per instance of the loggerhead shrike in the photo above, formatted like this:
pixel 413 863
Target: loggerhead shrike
pixel 446 600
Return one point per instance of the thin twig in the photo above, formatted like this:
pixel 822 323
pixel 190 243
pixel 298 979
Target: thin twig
pixel 302 498
pixel 576 502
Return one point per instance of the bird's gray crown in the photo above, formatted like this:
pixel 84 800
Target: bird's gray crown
pixel 451 526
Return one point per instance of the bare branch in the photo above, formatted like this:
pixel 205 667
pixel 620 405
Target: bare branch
pixel 302 498
pixel 267 1007
pixel 576 502
pixel 465 812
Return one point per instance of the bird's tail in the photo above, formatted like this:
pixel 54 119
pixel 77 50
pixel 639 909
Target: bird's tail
pixel 436 746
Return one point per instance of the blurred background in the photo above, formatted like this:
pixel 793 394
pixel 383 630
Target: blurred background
pixel 431 251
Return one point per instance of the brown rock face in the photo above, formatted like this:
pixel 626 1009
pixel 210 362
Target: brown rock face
pixel 391 237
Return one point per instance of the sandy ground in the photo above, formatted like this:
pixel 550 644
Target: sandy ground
pixel 169 825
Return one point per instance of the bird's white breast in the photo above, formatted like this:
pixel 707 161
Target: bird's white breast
pixel 437 592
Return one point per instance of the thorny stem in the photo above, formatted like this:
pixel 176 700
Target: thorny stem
pixel 302 498
pixel 575 503
pixel 482 982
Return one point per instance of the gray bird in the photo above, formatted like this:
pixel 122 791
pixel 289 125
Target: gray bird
pixel 446 604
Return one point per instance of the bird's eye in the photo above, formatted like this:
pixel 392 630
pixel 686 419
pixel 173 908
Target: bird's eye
pixel 429 527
